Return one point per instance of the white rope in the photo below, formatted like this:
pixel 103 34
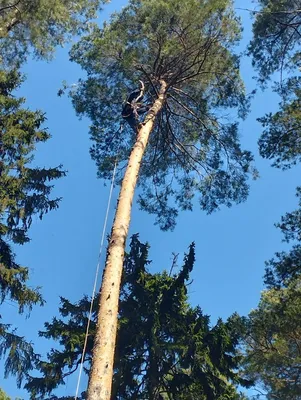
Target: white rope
pixel 95 284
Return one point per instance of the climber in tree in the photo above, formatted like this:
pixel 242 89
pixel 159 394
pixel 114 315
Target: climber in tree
pixel 134 107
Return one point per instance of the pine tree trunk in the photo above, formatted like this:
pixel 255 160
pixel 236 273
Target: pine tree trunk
pixel 100 381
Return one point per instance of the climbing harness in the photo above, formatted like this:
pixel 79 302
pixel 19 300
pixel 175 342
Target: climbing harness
pixel 134 107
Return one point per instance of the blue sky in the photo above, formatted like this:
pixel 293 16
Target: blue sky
pixel 231 244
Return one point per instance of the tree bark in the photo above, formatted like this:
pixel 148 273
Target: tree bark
pixel 101 374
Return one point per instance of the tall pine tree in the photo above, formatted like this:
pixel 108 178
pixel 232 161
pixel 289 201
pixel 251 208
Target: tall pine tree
pixel 276 53
pixel 41 25
pixel 179 139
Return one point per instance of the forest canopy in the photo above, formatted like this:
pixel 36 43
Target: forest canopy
pixel 194 148
pixel 162 91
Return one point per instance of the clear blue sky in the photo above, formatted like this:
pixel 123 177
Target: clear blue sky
pixel 231 245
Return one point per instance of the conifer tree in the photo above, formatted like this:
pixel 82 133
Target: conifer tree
pixel 272 341
pixel 180 139
pixel 26 27
pixel 41 25
pixel 273 329
pixel 25 192
pixel 3 395
pixel 166 349
pixel 276 53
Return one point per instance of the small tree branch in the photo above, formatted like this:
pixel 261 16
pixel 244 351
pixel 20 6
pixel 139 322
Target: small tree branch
pixel 269 12
pixel 10 6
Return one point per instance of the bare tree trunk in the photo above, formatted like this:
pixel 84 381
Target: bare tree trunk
pixel 100 382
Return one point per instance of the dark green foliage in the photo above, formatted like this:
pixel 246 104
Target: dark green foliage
pixel 20 356
pixel 13 279
pixel 286 266
pixel 24 190
pixel 193 149
pixel 164 347
pixel 281 138
pixel 26 26
pixel 290 224
pixel 276 49
pixel 41 25
pixel 273 329
pixel 273 339
pixel 276 30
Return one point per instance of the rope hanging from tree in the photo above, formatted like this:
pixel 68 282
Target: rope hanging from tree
pixel 95 282
pixel 131 111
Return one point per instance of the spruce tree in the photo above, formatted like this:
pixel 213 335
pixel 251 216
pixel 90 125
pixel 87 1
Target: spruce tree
pixel 165 349
pixel 25 192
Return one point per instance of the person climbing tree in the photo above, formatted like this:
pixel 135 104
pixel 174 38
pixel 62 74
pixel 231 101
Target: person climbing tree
pixel 134 107
pixel 184 146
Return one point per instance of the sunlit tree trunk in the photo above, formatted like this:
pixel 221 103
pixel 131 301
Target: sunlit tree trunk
pixel 101 374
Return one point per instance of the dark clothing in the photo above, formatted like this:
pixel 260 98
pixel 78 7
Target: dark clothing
pixel 133 108
pixel 134 95
pixel 132 121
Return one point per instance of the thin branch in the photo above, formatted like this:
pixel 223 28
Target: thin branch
pixel 207 46
pixel 174 263
pixel 10 6
pixel 184 93
pixel 75 368
pixel 158 54
pixel 264 394
pixel 140 68
pixel 284 53
pixel 182 148
pixel 269 12
pixel 205 126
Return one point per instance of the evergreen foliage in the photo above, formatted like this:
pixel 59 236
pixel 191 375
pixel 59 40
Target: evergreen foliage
pixel 41 25
pixel 275 45
pixel 166 349
pixel 3 395
pixel 273 355
pixel 24 189
pixel 24 193
pixel 19 354
pixel 273 329
pixel 286 266
pixel 280 140
pixel 194 147
pixel 26 27
pixel 276 49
